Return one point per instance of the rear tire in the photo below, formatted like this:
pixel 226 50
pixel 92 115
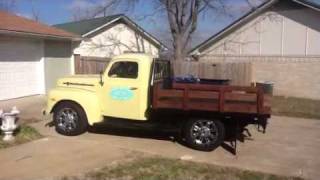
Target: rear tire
pixel 70 119
pixel 204 134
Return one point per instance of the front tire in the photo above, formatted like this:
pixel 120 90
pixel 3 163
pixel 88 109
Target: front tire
pixel 204 134
pixel 70 119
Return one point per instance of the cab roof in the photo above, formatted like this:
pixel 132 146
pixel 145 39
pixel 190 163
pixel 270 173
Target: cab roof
pixel 135 56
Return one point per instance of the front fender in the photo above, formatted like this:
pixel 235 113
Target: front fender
pixel 88 100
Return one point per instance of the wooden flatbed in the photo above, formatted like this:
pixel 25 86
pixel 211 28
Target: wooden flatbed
pixel 225 99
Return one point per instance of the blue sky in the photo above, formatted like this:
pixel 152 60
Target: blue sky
pixel 60 11
pixel 50 11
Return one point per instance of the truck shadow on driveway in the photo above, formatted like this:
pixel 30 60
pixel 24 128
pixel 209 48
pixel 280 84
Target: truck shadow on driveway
pixel 146 131
pixel 136 132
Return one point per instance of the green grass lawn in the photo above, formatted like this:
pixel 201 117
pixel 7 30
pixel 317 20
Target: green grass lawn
pixel 169 169
pixel 24 134
pixel 296 107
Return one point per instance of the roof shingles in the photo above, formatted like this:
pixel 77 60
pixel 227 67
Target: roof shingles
pixel 85 26
pixel 12 23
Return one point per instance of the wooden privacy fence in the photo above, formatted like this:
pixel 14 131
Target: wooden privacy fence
pixel 240 73
pixel 90 65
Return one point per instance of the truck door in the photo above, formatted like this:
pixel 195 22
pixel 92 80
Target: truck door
pixel 121 91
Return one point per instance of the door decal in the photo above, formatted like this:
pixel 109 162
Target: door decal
pixel 121 93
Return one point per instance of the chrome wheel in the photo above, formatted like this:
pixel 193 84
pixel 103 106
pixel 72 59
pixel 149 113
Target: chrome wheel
pixel 204 132
pixel 67 119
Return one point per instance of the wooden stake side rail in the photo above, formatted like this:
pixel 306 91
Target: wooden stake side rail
pixel 216 98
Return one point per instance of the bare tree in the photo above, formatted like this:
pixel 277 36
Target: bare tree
pixel 182 16
pixel 88 9
pixel 112 44
pixel 35 12
pixel 7 5
pixel 10 6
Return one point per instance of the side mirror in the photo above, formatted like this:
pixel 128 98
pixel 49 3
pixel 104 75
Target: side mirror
pixel 101 78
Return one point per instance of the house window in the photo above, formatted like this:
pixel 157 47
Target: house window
pixel 124 69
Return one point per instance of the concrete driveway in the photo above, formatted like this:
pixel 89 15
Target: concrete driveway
pixel 290 147
pixel 29 107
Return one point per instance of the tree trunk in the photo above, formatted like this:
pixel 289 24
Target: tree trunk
pixel 179 51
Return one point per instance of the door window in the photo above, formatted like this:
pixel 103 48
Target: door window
pixel 161 70
pixel 124 69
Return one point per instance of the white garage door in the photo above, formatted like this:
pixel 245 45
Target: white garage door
pixel 21 69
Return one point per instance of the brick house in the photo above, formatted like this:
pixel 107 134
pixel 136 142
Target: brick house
pixel 281 40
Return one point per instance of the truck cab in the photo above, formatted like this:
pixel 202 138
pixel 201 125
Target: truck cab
pixel 135 85
pixel 121 91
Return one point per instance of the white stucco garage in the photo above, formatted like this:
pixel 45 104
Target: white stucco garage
pixel 21 72
pixel 32 56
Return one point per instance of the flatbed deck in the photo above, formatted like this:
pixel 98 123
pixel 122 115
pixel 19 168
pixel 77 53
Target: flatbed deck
pixel 213 98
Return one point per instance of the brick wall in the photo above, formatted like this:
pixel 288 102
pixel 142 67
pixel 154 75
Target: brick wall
pixel 292 76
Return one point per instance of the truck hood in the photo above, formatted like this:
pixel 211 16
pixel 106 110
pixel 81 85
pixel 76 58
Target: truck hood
pixel 88 82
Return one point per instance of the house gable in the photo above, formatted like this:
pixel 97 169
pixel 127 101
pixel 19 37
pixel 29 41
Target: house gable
pixel 285 28
pixel 114 40
pixel 92 27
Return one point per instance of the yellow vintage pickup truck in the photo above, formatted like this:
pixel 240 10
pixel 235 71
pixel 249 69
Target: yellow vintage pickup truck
pixel 139 88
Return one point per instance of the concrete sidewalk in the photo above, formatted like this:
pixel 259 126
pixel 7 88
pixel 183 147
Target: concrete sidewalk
pixel 290 147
